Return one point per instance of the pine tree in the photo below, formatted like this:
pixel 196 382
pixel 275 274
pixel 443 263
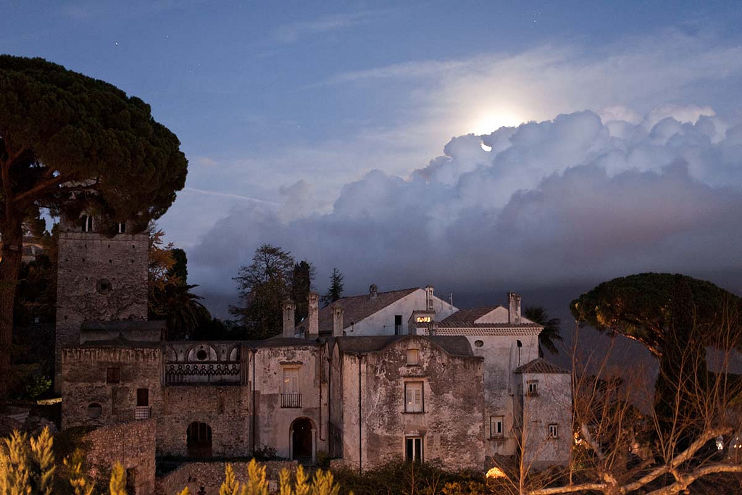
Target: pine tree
pixel 301 284
pixel 335 291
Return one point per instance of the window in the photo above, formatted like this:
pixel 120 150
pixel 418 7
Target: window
pixel 413 357
pixel 142 397
pixel 478 343
pixel 290 381
pixel 496 426
pixel 86 222
pixel 94 410
pixel 104 286
pixel 532 387
pixel 413 449
pixel 397 324
pixel 113 375
pixel 413 393
pixel 122 227
pixel 553 430
pixel 423 319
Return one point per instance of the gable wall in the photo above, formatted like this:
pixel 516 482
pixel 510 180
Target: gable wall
pixel 382 322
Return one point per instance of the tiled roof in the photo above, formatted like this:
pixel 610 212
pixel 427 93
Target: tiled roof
pixel 356 308
pixel 455 346
pixel 466 316
pixel 540 365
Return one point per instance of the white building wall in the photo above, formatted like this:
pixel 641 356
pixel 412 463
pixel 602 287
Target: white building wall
pixel 382 322
pixel 501 357
pixel 551 405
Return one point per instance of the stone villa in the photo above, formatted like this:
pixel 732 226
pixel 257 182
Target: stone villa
pixel 384 375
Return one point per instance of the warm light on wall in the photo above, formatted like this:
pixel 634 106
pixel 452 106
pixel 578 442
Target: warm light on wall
pixel 423 319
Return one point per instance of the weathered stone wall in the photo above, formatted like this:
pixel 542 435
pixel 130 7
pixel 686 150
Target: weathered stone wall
pixel 501 357
pixel 224 408
pixel 132 444
pixel 210 475
pixel 451 423
pixel 274 419
pixel 552 404
pixel 84 383
pixel 86 261
pixel 335 427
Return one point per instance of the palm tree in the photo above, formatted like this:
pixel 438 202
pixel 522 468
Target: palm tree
pixel 550 334
pixel 181 309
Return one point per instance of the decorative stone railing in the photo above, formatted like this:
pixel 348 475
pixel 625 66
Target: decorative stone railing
pixel 195 363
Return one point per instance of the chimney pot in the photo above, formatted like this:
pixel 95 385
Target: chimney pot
pixel 337 321
pixel 313 316
pixel 373 291
pixel 289 309
pixel 513 308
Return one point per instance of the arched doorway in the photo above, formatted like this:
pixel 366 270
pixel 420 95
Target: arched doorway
pixel 199 440
pixel 302 440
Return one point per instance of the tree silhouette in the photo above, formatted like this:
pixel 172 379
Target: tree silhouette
pixel 70 143
pixel 550 334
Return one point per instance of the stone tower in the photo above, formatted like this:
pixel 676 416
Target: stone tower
pixel 99 279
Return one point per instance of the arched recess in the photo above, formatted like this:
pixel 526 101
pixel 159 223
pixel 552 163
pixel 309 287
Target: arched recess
pixel 302 438
pixel 198 440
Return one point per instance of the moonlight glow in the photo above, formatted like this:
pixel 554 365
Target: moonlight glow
pixel 489 122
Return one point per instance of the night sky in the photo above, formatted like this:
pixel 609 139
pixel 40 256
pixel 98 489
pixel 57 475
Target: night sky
pixel 476 146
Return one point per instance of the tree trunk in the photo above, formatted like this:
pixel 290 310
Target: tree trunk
pixel 12 250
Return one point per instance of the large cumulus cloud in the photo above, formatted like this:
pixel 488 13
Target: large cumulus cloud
pixel 582 197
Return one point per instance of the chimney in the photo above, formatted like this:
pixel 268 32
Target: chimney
pixel 337 321
pixel 513 308
pixel 288 318
pixel 429 298
pixel 373 291
pixel 313 316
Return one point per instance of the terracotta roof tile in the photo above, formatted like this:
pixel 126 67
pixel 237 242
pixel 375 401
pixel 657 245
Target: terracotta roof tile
pixel 540 365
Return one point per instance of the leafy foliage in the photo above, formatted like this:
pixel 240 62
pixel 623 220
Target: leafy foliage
pixel 170 297
pixel 263 286
pixel 301 284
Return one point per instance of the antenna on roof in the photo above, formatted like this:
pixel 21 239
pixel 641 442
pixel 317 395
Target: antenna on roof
pixel 450 298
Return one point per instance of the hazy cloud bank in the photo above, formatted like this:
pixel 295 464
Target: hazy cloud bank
pixel 575 199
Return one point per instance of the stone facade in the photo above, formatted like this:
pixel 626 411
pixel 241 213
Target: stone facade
pixel 99 278
pixel 132 444
pixel 449 389
pixel 445 420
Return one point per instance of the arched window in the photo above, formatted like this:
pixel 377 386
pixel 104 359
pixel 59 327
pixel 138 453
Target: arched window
pixel 86 222
pixel 94 410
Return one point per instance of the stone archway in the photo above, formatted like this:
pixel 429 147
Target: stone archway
pixel 198 440
pixel 302 438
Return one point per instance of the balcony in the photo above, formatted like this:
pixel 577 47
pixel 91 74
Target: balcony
pixel 290 401
pixel 142 412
